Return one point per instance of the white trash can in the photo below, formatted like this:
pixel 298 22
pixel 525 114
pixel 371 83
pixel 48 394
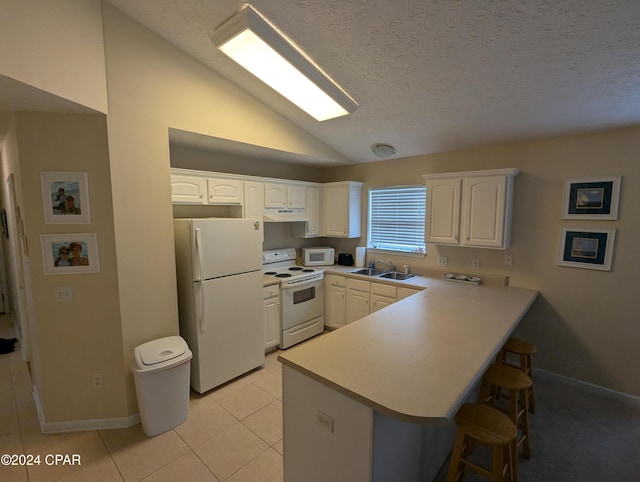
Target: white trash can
pixel 161 373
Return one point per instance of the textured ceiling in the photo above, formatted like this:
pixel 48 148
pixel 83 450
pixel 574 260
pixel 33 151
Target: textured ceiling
pixel 439 75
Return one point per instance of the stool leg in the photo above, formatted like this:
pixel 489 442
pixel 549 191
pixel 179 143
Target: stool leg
pixel 526 365
pixel 513 459
pixel 524 399
pixel 452 475
pixel 497 465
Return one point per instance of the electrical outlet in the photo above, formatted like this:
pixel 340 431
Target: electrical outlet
pixel 443 261
pixel 324 420
pixel 475 264
pixel 98 381
pixel 508 260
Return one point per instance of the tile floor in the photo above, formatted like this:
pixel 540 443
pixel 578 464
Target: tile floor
pixel 233 434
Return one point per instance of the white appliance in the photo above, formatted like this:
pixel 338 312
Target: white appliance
pixel 320 256
pixel 219 272
pixel 302 296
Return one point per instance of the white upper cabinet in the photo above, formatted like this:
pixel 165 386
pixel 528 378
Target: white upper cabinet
pixel 470 208
pixel 253 199
pixel 188 190
pixel 205 190
pixel 225 191
pixel 312 228
pixel 342 207
pixel 284 195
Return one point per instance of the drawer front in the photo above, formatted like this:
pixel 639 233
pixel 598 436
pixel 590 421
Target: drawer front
pixel 270 292
pixel 356 284
pixel 339 281
pixel 383 290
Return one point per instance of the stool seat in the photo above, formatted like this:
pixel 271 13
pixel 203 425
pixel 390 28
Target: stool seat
pixel 477 423
pixel 520 347
pixel 505 377
pixel 523 350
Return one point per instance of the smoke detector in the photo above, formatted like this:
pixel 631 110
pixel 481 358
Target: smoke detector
pixel 383 151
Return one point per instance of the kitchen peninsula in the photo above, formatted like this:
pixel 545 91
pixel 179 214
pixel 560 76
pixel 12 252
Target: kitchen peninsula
pixel 374 401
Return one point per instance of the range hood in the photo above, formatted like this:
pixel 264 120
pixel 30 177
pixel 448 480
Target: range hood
pixel 284 215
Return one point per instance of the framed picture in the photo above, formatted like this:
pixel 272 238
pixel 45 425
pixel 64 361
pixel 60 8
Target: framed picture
pixel 586 248
pixel 66 197
pixel 70 253
pixel 591 198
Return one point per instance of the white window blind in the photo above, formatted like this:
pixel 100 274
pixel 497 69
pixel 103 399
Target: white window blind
pixel 396 218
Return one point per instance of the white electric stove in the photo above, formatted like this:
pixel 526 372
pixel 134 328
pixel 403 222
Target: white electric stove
pixel 302 295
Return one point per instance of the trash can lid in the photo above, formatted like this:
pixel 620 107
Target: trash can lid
pixel 161 350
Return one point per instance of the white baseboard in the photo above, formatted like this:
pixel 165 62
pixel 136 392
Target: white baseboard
pixel 624 397
pixel 83 425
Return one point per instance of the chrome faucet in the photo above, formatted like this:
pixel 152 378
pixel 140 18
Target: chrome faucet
pixel 392 267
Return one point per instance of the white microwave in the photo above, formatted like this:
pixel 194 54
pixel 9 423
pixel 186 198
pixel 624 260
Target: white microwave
pixel 320 256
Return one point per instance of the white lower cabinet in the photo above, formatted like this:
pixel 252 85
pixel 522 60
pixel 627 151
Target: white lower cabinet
pixel 382 295
pixel 358 297
pixel 349 299
pixel 335 301
pixel 271 315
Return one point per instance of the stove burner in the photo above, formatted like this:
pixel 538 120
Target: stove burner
pixel 308 270
pixel 295 268
pixel 270 272
pixel 283 275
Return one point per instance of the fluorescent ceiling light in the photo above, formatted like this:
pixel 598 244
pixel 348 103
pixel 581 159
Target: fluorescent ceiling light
pixel 250 40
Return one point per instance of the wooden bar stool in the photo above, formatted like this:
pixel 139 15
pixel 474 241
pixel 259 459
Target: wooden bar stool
pixel 482 424
pixel 517 383
pixel 524 350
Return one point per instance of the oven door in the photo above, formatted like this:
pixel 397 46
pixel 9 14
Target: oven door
pixel 301 302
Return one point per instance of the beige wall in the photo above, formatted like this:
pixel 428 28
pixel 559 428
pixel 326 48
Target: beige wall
pixel 585 322
pixel 154 87
pixel 77 339
pixel 56 47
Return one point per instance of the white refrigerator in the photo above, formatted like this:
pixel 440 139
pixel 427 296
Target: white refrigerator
pixel 219 274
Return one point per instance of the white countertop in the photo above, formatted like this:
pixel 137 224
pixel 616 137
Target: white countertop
pixel 417 359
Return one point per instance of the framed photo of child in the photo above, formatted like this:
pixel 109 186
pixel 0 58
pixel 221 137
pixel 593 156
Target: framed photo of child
pixel 70 253
pixel 65 197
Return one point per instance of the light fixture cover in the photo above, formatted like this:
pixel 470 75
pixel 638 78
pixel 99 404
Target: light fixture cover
pixel 250 40
pixel 383 150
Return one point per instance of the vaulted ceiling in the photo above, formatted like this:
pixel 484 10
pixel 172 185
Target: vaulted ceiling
pixel 438 75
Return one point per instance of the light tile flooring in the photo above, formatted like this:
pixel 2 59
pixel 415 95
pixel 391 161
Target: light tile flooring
pixel 233 434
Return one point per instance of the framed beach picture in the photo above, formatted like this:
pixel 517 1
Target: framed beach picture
pixel 70 253
pixel 66 197
pixel 586 248
pixel 591 198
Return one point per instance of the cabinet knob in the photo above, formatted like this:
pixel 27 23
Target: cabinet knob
pixel 200 196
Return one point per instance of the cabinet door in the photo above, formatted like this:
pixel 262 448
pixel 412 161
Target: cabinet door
pixel 296 196
pixel 275 195
pixel 188 190
pixel 271 313
pixel 225 191
pixel 314 211
pixel 253 199
pixel 483 219
pixel 443 211
pixel 336 306
pixel 357 305
pixel 378 302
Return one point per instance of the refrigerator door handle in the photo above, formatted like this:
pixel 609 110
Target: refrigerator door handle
pixel 198 253
pixel 200 306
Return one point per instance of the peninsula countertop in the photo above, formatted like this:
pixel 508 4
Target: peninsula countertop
pixel 419 358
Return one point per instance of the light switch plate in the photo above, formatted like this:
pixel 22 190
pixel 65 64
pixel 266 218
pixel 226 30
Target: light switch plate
pixel 443 261
pixel 324 420
pixel 64 293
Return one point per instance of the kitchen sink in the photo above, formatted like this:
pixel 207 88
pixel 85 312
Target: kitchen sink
pixel 397 275
pixel 369 271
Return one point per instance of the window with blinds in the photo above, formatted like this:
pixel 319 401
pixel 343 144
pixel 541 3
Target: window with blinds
pixel 396 218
